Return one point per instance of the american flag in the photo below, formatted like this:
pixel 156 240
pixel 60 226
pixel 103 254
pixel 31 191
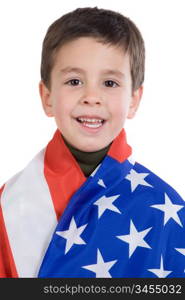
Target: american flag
pixel 122 221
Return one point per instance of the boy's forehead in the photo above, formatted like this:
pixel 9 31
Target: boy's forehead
pixel 75 55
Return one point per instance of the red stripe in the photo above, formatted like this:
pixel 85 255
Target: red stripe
pixel 62 173
pixel 7 265
pixel 119 149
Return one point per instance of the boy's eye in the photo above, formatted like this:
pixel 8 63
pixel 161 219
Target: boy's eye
pixel 110 83
pixel 74 82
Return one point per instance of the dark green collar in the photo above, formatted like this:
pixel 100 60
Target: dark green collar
pixel 88 161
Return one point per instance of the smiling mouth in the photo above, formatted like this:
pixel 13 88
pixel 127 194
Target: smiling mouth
pixel 91 122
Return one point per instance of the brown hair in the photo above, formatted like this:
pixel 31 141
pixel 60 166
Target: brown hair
pixel 107 26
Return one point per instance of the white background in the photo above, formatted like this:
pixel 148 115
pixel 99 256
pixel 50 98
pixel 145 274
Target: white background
pixel 157 132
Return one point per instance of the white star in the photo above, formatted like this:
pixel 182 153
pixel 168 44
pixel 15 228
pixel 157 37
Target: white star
pixel 72 235
pixel 135 238
pixel 181 250
pixel 106 203
pixel 137 179
pixel 170 210
pixel 161 273
pixel 101 182
pixel 101 268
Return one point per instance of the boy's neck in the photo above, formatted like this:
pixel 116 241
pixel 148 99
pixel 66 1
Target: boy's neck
pixel 88 161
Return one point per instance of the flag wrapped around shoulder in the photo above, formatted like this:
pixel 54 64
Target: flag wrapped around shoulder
pixel 123 221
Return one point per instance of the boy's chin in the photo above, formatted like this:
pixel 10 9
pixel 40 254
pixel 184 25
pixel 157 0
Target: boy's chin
pixel 91 147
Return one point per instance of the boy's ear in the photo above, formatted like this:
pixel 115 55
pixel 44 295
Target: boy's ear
pixel 135 101
pixel 46 99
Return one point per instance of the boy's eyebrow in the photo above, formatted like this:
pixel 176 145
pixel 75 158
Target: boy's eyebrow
pixel 113 72
pixel 81 71
pixel 71 69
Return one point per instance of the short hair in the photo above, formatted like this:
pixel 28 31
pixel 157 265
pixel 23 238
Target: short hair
pixel 107 26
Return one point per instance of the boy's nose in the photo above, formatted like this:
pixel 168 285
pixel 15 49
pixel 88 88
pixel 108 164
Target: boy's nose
pixel 91 101
pixel 91 98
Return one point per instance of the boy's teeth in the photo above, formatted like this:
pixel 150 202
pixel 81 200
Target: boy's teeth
pixel 91 123
pixel 90 120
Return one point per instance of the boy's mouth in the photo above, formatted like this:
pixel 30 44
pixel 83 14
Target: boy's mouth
pixel 91 122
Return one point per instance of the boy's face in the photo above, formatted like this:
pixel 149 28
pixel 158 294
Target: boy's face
pixel 91 93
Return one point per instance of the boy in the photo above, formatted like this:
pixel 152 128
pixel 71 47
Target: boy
pixel 82 207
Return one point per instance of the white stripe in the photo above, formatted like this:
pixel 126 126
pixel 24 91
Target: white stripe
pixel 131 160
pixel 29 216
pixel 94 172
